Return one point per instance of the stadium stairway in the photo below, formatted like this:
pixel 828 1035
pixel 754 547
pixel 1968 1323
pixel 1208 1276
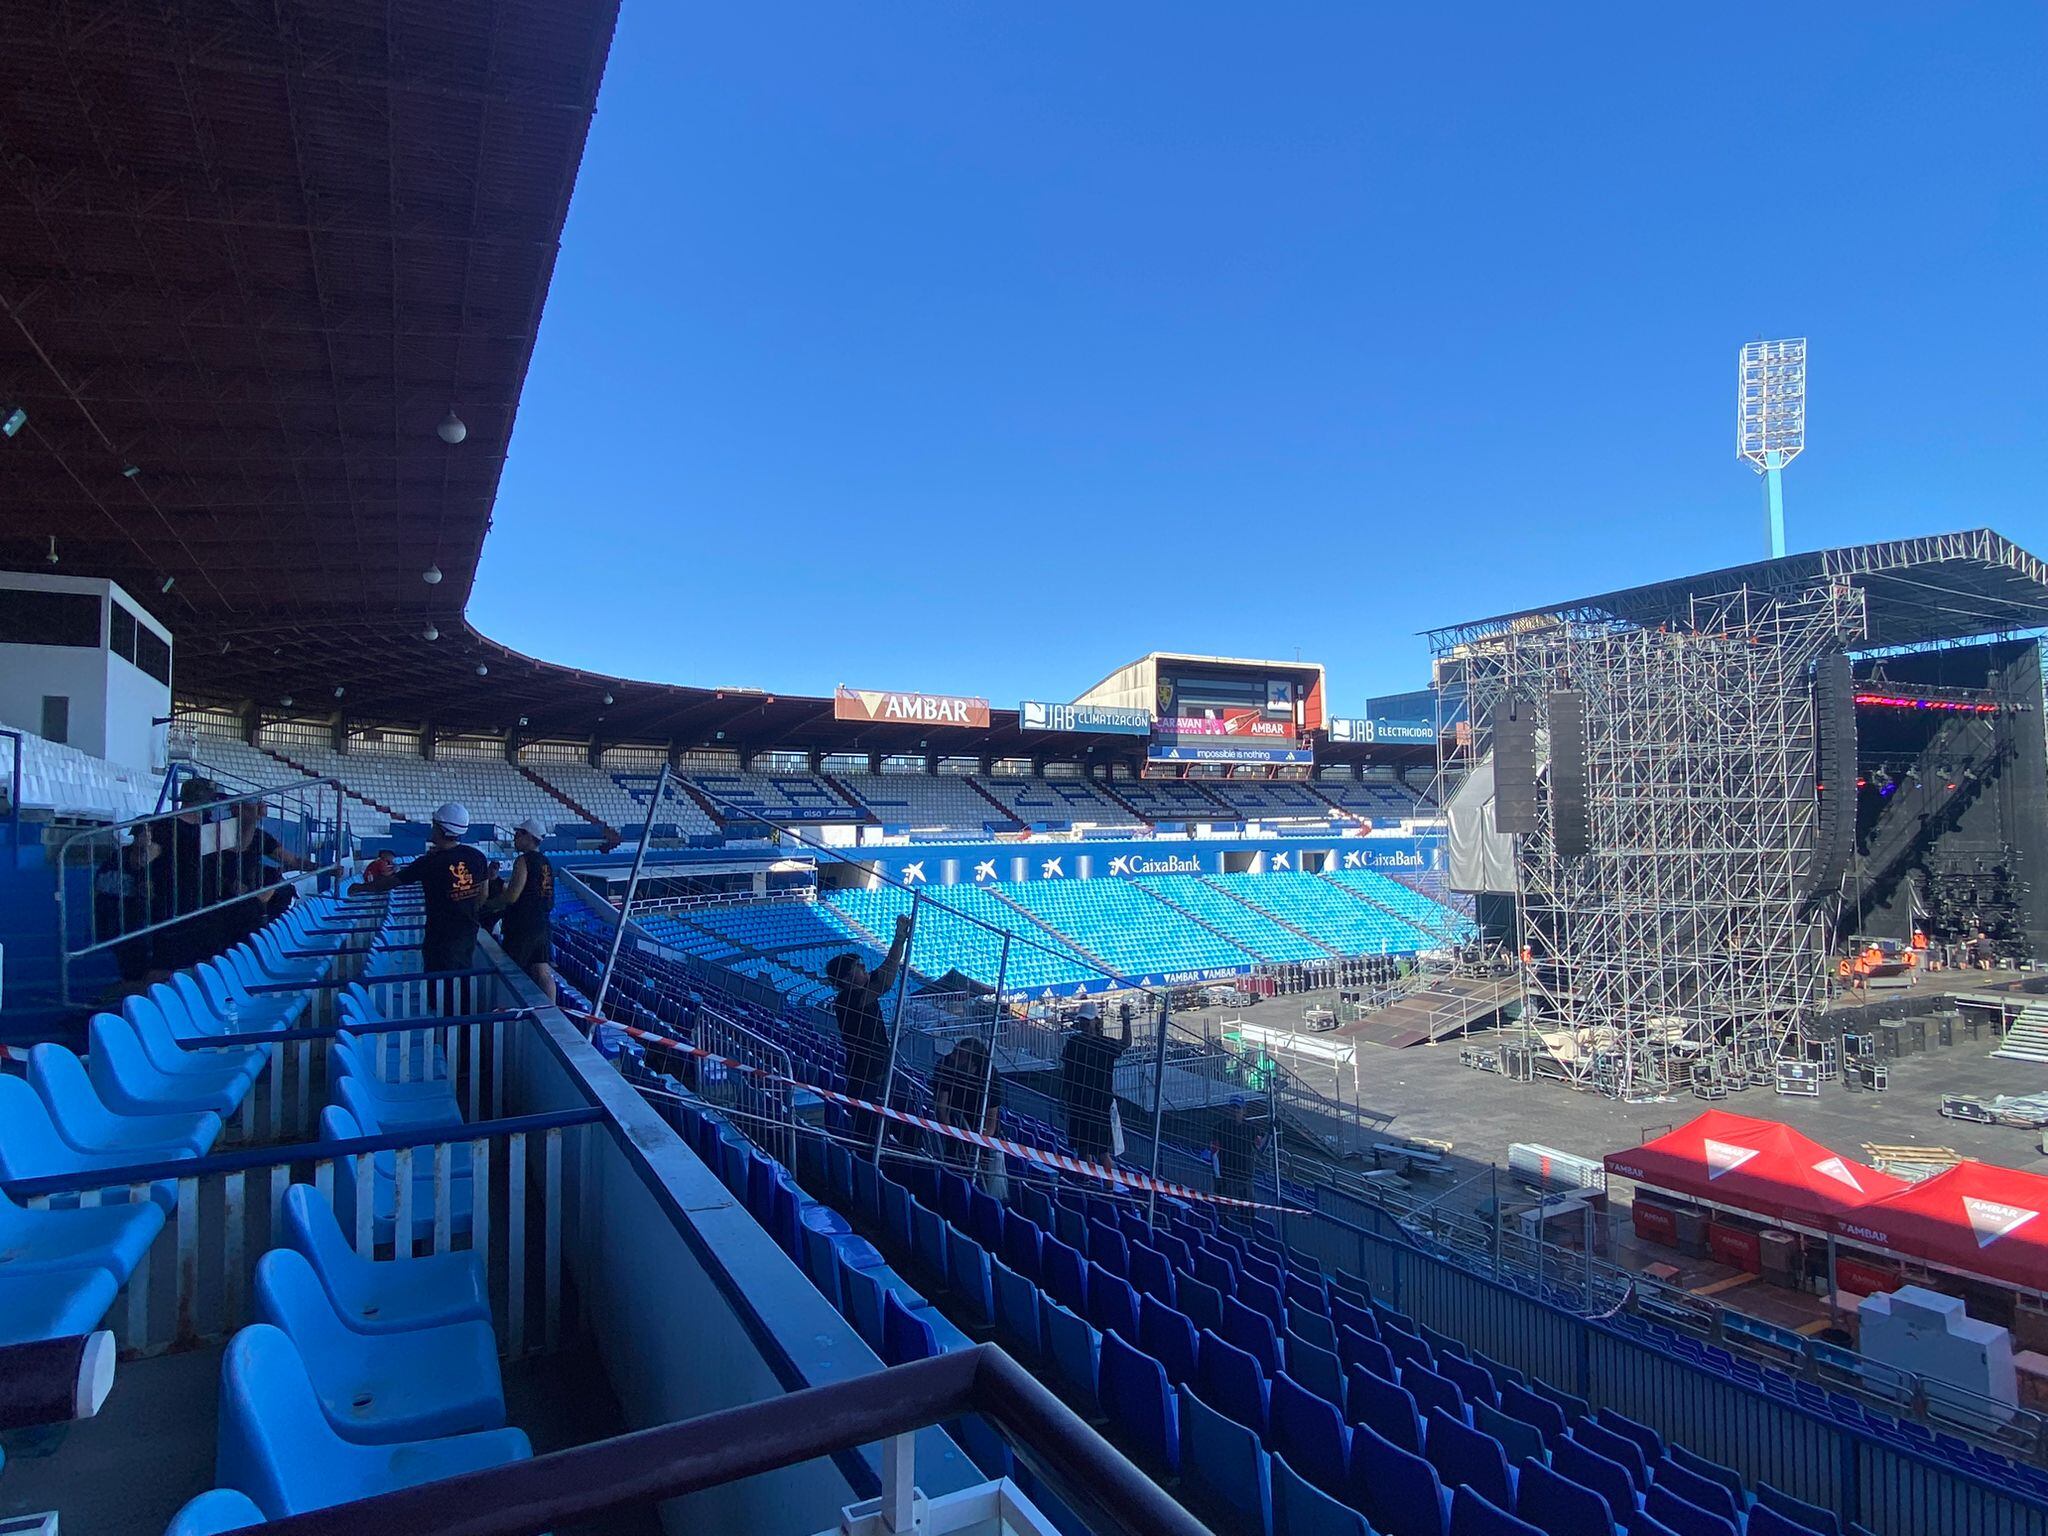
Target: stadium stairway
pixel 583 812
pixel 1004 815
pixel 1401 910
pixel 1271 916
pixel 354 794
pixel 2026 1038
pixel 1107 789
pixel 1342 812
pixel 1152 890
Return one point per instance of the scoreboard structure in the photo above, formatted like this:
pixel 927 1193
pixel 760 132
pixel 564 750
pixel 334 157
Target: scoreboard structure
pixel 1220 717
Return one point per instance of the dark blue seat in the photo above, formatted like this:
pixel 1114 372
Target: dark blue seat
pixel 1301 1508
pixel 1139 1403
pixel 1230 1381
pixel 1407 1348
pixel 1174 1249
pixel 1223 1466
pixel 1473 1514
pixel 985 1218
pixel 1499 1372
pixel 1471 1380
pixel 1343 1283
pixel 1302 1291
pixel 969 1277
pixel 1020 1246
pixel 1262 1297
pixel 1398 1490
pixel 1345 1313
pixel 896 1203
pixel 1381 1405
pixel 1312 1326
pixel 1354 1348
pixel 1306 1428
pixel 1684 1516
pixel 1074 1348
pixel 1798 1511
pixel 1521 1441
pixel 1170 1338
pixel 905 1335
pixel 955 1199
pixel 1557 1506
pixel 1615 1448
pixel 1112 1304
pixel 1017 1321
pixel 1433 1391
pixel 1202 1303
pixel 1212 1269
pixel 928 1232
pixel 1442 1344
pixel 1640 1524
pixel 1590 1469
pixel 1461 1454
pixel 1063 1274
pixel 1711 1471
pixel 1106 1247
pixel 1151 1274
pixel 1251 1331
pixel 1317 1369
pixel 1574 1408
pixel 1518 1402
pixel 1705 1492
pixel 1647 1439
pixel 1766 1521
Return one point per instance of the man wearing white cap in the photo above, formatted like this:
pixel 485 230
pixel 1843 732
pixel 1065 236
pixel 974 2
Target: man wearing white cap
pixel 529 898
pixel 453 879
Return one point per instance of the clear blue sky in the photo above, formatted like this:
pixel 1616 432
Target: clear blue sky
pixel 979 348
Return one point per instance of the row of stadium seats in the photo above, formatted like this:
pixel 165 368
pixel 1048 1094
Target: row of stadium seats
pixel 63 780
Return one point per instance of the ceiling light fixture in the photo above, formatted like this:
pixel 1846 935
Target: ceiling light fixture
pixel 431 575
pixel 169 582
pixel 482 670
pixel 608 698
pixel 452 430
pixel 430 633
pixel 12 419
pixel 286 701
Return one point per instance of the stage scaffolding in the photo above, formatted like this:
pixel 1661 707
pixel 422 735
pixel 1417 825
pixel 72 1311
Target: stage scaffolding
pixel 1685 933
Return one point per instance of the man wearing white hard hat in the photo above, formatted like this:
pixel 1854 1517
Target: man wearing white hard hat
pixel 528 899
pixel 453 879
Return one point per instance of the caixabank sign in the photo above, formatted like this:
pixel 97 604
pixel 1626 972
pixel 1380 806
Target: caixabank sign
pixel 918 864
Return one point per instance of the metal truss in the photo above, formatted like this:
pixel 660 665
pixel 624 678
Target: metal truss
pixel 1684 934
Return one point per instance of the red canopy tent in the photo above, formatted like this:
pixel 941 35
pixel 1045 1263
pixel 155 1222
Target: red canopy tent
pixel 1976 1218
pixel 1762 1166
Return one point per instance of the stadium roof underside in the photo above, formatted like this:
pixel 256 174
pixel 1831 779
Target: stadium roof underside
pixel 1946 587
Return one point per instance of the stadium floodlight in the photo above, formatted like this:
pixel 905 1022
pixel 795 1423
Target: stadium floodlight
pixel 1770 418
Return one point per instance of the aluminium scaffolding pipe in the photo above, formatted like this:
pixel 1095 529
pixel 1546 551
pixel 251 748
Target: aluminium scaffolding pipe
pixel 611 960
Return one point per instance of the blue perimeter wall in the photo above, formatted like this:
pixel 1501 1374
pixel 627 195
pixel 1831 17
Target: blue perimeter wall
pixel 979 863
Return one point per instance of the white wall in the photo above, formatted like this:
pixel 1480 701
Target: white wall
pixel 114 703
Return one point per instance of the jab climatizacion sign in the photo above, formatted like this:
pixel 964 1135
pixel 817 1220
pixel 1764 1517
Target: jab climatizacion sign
pixel 1102 719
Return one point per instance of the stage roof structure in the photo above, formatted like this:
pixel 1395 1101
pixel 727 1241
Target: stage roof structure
pixel 1762 1166
pixel 1923 591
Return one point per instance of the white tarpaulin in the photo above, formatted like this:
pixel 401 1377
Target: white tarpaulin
pixel 1482 860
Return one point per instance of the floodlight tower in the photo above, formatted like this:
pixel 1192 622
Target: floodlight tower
pixel 1770 418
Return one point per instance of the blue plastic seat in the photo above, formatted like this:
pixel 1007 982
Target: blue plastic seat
pixel 1521 1441
pixel 1106 1246
pixel 1766 1521
pixel 213 1512
pixel 1300 1508
pixel 337 1124
pixel 1383 1406
pixel 1461 1454
pixel 1262 1296
pixel 1617 1448
pixel 1407 1348
pixel 1020 1246
pixel 1684 1516
pixel 1064 1275
pixel 1017 1322
pixel 30 1147
pixel 162 1022
pixel 906 1335
pixel 1112 1304
pixel 1500 1373
pixel 1317 1369
pixel 1557 1506
pixel 1202 1303
pixel 1705 1492
pixel 1473 1514
pixel 377 1389
pixel 1726 1478
pixel 1216 1271
pixel 1647 1439
pixel 1230 1381
pixel 1572 1406
pixel 1312 1326
pixel 1354 1348
pixel 1151 1274
pixel 276 1446
pixel 1306 1428
pixel 1398 1490
pixel 1473 1381
pixel 1140 1403
pixel 969 1278
pixel 83 1121
pixel 1344 1313
pixel 1518 1402
pixel 1223 1466
pixel 429 1291
pixel 1433 1391
pixel 53 1303
pixel 1075 1350
pixel 1170 1338
pixel 1610 1479
pixel 128 1083
pixel 45 1241
pixel 1251 1331
pixel 1813 1516
pixel 928 1234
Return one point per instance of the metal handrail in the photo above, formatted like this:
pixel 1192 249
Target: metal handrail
pixel 645 1467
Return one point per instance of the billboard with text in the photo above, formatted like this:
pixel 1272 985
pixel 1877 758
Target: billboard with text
pixel 884 708
pixel 1102 718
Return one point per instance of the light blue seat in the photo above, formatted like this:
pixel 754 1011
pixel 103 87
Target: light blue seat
pixel 161 1021
pixel 426 1292
pixel 109 1237
pixel 1140 1403
pixel 358 1054
pixel 276 1446
pixel 337 1124
pixel 30 1147
pixel 360 1095
pixel 380 1388
pixel 53 1304
pixel 129 1083
pixel 1223 1465
pixel 215 1511
pixel 60 1079
pixel 226 994
pixel 1300 1508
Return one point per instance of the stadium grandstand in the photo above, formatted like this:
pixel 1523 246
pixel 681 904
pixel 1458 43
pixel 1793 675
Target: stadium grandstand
pixel 304 1226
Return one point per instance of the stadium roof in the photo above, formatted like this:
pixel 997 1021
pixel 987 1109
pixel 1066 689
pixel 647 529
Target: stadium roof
pixel 250 257
pixel 1950 586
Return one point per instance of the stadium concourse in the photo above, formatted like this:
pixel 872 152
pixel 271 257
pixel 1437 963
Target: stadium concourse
pixel 298 1233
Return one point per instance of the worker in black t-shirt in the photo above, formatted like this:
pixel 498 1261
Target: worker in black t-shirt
pixel 528 898
pixel 857 1010
pixel 1088 1080
pixel 452 877
pixel 1236 1147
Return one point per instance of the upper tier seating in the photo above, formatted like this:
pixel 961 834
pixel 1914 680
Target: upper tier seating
pixel 68 782
pixel 1060 802
pixel 620 795
pixel 1121 924
pixel 1315 907
pixel 775 797
pixel 495 793
pixel 922 802
pixel 1374 797
pixel 237 763
pixel 1172 800
pixel 1277 800
pixel 1243 925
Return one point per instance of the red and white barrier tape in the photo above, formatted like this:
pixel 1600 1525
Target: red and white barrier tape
pixel 1143 1182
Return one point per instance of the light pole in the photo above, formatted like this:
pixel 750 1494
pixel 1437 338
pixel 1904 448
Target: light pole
pixel 1770 419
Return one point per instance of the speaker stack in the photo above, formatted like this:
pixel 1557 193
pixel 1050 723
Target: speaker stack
pixel 1834 731
pixel 1514 773
pixel 1571 829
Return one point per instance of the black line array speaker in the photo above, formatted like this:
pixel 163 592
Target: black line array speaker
pixel 1514 772
pixel 1834 735
pixel 1571 830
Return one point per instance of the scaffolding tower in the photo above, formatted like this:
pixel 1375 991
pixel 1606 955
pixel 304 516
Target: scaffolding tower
pixel 1685 935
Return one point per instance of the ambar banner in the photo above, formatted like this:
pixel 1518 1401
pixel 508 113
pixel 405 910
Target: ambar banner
pixel 909 708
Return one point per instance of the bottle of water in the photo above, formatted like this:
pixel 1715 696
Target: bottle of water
pixel 231 1017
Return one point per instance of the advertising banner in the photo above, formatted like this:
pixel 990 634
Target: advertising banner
pixel 1383 732
pixel 1236 722
pixel 909 708
pixel 1229 754
pixel 1034 716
